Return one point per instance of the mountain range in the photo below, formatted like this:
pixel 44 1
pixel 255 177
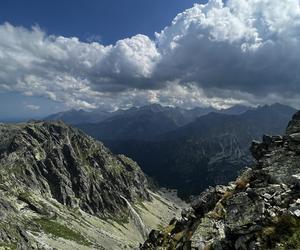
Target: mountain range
pixel 134 123
pixel 149 122
pixel 176 146
pixel 213 148
pixel 62 189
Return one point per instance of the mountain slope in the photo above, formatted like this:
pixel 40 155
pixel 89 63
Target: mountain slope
pixel 235 110
pixel 59 187
pixel 79 116
pixel 272 118
pixel 135 123
pixel 261 210
pixel 180 116
pixel 214 148
pixel 143 123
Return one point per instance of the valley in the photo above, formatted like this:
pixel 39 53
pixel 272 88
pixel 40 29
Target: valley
pixel 177 147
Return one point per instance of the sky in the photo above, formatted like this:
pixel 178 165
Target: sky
pixel 109 54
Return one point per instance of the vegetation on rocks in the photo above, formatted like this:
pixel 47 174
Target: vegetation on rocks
pixel 59 230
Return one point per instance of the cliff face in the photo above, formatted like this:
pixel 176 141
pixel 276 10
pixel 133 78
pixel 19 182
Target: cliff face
pixel 58 186
pixel 260 210
pixel 63 163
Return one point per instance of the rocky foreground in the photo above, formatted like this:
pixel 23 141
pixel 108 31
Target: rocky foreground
pixel 60 189
pixel 260 210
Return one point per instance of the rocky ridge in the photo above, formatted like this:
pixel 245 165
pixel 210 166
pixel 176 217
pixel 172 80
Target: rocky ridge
pixel 59 187
pixel 62 162
pixel 260 210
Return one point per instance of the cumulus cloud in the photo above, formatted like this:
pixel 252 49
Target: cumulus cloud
pixel 245 45
pixel 216 54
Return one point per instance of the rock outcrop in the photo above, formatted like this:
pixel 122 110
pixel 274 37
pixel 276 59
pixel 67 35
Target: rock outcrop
pixel 260 210
pixel 65 164
pixel 60 186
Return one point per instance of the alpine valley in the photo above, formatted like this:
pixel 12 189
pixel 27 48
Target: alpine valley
pixel 177 147
pixel 62 189
pixel 150 125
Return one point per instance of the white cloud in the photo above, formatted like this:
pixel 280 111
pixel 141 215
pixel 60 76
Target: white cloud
pixel 245 45
pixel 213 54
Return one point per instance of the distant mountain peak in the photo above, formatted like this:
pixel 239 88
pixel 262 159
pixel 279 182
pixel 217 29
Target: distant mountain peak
pixel 236 109
pixel 155 107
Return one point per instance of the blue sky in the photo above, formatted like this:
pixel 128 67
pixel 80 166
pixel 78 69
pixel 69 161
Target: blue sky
pixel 57 55
pixel 105 21
pixel 17 107
pixel 109 20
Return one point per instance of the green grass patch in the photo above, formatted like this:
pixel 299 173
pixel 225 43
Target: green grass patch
pixel 122 220
pixel 61 231
pixel 8 246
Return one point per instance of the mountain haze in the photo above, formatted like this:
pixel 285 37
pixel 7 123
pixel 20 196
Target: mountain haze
pixel 143 123
pixel 78 116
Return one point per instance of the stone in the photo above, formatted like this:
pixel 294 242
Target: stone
pixel 267 139
pixel 267 196
pixel 296 179
pixel 153 235
pixel 297 212
pixel 294 137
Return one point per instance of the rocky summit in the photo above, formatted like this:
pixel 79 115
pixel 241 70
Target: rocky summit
pixel 260 210
pixel 60 189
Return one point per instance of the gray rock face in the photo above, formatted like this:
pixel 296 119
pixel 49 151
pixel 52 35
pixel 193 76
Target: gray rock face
pixel 69 166
pixel 260 210
pixel 54 161
pixel 294 124
pixel 293 133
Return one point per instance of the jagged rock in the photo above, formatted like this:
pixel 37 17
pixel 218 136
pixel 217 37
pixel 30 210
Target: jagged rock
pixel 297 212
pixel 206 201
pixel 294 124
pixel 258 149
pixel 61 162
pixel 46 163
pixel 296 179
pixel 261 211
pixel 294 140
pixel 61 189
pixel 243 211
pixel 153 235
